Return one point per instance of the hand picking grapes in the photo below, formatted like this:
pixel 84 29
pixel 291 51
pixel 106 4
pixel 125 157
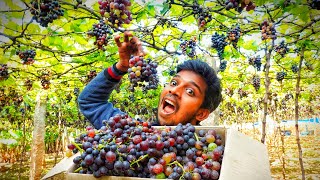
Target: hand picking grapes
pixel 191 95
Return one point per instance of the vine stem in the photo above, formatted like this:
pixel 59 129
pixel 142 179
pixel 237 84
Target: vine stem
pixel 77 146
pixel 77 170
pixel 197 138
pixel 140 159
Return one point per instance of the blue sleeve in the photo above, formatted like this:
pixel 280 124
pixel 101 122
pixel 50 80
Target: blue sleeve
pixel 93 100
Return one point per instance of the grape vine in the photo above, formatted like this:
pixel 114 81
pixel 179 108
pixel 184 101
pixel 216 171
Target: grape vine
pixel 255 62
pixel 45 11
pixel 189 47
pixel 202 15
pixel 141 71
pixel 4 72
pixel 240 5
pixel 281 49
pixel 315 4
pixel 280 76
pixel 268 30
pixel 45 76
pixel 116 12
pixel 27 56
pixel 256 82
pixel 102 33
pixel 234 35
pixel 219 43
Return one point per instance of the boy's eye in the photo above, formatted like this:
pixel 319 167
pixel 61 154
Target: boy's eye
pixel 190 91
pixel 173 83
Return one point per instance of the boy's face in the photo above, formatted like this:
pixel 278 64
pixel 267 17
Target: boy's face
pixel 181 99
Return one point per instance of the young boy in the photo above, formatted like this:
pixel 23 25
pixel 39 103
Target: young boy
pixel 192 94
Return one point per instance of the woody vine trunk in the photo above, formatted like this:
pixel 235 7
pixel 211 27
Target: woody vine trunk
pixel 38 146
pixel 296 109
pixel 266 95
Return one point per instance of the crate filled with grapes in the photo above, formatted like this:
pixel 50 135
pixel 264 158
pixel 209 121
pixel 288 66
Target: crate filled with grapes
pixel 125 148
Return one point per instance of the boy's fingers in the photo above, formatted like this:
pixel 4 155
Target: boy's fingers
pixel 117 40
pixel 134 40
pixel 127 35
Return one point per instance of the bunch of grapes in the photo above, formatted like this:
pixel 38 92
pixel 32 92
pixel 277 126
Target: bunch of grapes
pixel 4 72
pixel 294 68
pixel 141 71
pixel 223 66
pixel 76 91
pixel 268 30
pixel 280 75
pixel 202 15
pixel 45 11
pixel 102 32
pixel 27 56
pixel 256 82
pixel 28 83
pixel 234 35
pixel 189 47
pixel 219 43
pixel 91 74
pixel 242 93
pixel 288 96
pixel 245 4
pixel 117 12
pixel 281 49
pixel 256 62
pixel 315 4
pixel 45 78
pixel 132 148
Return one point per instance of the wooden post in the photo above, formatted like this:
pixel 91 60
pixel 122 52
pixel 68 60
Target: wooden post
pixel 38 146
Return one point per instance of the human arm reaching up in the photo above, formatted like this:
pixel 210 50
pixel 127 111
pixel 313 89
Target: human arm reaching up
pixel 93 100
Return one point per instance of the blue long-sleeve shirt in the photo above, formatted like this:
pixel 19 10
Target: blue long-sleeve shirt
pixel 93 100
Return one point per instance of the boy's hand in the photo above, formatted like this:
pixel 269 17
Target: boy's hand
pixel 130 46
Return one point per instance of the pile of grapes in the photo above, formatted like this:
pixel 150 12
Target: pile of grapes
pixel 202 15
pixel 45 11
pixel 189 47
pixel 4 72
pixel 280 75
pixel 131 148
pixel 117 12
pixel 256 82
pixel 281 49
pixel 240 5
pixel 219 43
pixel 256 62
pixel 102 32
pixel 27 56
pixel 141 71
pixel 315 4
pixel 234 35
pixel 268 30
pixel 45 76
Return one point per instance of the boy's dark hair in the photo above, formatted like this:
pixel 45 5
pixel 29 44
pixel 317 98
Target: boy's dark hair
pixel 213 95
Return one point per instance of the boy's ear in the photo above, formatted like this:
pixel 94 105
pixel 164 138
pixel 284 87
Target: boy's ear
pixel 202 114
